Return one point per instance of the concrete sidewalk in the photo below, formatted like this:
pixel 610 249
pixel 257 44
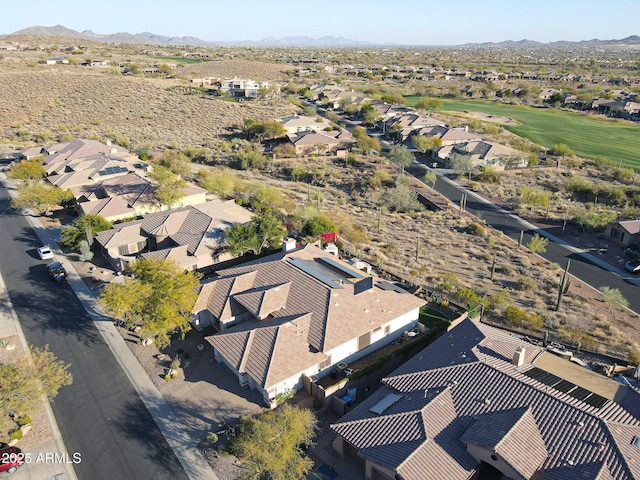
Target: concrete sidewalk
pixel 185 449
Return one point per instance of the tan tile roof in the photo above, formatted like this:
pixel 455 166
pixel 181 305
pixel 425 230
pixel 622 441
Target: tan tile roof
pixel 511 434
pixel 497 406
pixel 107 207
pixel 314 314
pixel 182 226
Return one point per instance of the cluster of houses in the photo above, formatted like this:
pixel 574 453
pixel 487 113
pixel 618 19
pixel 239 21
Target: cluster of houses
pixel 403 124
pixel 109 181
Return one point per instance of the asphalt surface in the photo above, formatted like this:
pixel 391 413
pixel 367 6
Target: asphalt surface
pixel 581 267
pixel 100 415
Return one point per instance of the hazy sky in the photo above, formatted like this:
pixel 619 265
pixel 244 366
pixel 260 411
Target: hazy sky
pixel 409 22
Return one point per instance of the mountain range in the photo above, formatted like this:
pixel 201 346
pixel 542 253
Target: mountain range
pixel 146 38
pixel 151 38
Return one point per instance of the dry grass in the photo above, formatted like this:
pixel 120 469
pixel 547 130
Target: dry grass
pixel 89 103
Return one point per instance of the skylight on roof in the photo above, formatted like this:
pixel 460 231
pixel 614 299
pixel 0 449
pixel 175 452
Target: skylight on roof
pixel 385 403
pixel 636 442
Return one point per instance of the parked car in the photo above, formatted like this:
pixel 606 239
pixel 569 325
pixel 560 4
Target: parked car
pixel 10 459
pixel 56 271
pixel 632 266
pixel 45 253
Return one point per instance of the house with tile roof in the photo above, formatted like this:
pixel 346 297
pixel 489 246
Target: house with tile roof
pixel 127 196
pixel 300 123
pixel 623 232
pixel 481 403
pixel 310 141
pixel 299 312
pixel 449 136
pixel 193 236
pixel 484 153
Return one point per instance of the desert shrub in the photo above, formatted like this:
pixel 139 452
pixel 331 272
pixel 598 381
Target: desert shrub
pixel 212 438
pixel 23 420
pixel 592 219
pixel 469 296
pixel 517 317
pixel 634 357
pixel 526 284
pixel 298 173
pixel 624 175
pixel 498 299
pixel 379 178
pixel 476 229
pixel 489 175
pixel 585 189
pixel 631 254
pixel 285 150
pixel 15 435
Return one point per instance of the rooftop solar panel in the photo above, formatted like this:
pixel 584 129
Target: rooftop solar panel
pixel 564 386
pixel 345 269
pixel 580 393
pixel 596 400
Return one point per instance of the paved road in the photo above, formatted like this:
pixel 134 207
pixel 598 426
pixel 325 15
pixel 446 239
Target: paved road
pixel 581 267
pixel 100 416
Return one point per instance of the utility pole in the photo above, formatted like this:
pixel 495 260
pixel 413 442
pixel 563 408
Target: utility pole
pixel 520 239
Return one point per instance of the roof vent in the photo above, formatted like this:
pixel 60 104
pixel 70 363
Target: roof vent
pixel 385 403
pixel 487 401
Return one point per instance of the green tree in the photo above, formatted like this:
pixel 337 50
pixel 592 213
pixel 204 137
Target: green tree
pixel 263 231
pixel 22 383
pixel 271 443
pixel 428 104
pixel 169 187
pixel 364 142
pixel 393 99
pixel 462 164
pixel 614 298
pixel 401 156
pixel 317 225
pixel 158 297
pixel 369 114
pixel 41 196
pixel 175 161
pixel 401 198
pixel 28 170
pixel 430 177
pixel 424 143
pixel 218 182
pixel 538 244
pixel 85 227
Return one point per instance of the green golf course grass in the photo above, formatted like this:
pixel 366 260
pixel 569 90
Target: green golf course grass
pixel 588 137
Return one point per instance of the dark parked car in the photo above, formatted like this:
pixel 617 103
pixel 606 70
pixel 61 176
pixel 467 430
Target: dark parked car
pixel 632 266
pixel 56 271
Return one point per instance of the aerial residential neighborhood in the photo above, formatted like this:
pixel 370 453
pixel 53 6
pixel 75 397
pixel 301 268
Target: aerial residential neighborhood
pixel 388 252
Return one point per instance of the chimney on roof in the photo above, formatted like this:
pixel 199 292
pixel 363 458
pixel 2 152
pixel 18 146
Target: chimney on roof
pixel 288 244
pixel 518 357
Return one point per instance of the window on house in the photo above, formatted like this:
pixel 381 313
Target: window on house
pixel 364 340
pixel 123 250
pixel 387 329
pixel 377 330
